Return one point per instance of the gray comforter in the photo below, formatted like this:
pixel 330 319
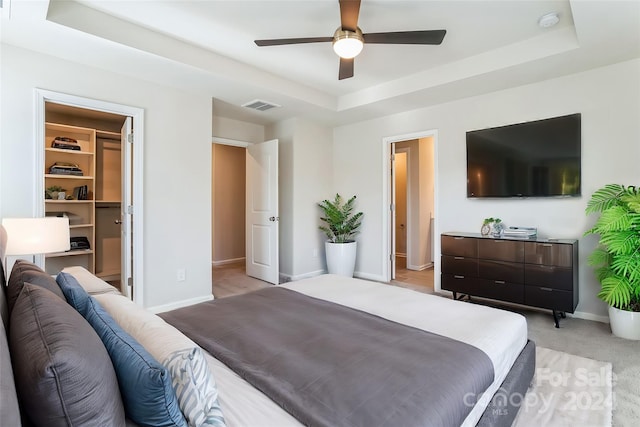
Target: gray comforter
pixel 330 365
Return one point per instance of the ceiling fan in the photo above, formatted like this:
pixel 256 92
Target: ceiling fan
pixel 348 40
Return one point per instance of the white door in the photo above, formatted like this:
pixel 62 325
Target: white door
pixel 126 209
pixel 392 208
pixel 262 212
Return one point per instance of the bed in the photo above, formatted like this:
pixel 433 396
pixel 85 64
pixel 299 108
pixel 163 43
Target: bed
pixel 496 338
pixel 498 334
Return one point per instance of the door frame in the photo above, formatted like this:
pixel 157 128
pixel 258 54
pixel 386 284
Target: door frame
pixel 245 145
pixel 387 251
pixel 137 230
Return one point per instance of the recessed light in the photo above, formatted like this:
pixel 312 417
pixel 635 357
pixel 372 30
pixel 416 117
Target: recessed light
pixel 548 20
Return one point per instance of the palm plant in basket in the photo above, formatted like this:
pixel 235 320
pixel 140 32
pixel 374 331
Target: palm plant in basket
pixel 617 258
pixel 341 226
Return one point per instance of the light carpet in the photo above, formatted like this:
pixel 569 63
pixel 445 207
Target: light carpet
pixel 568 390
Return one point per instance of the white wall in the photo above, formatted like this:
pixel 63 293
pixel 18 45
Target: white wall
pixel 177 163
pixel 284 132
pixel 239 130
pixel 609 100
pixel 305 179
pixel 427 162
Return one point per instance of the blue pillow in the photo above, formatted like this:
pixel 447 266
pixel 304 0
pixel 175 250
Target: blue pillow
pixel 73 292
pixel 147 393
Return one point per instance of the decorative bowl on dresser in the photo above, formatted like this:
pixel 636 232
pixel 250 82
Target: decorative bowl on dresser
pixel 535 272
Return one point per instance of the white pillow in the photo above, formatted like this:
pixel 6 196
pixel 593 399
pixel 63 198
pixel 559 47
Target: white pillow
pixel 194 385
pixel 91 283
pixel 190 376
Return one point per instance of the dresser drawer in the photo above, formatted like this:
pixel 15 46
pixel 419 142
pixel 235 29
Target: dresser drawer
pixel 557 254
pixel 549 276
pixel 499 290
pixel 459 246
pixel 501 270
pixel 458 283
pixel 501 250
pixel 460 265
pixel 552 299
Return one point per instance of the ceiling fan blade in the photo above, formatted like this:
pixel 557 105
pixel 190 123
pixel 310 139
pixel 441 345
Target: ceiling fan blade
pixel 346 68
pixel 406 37
pixel 349 11
pixel 278 42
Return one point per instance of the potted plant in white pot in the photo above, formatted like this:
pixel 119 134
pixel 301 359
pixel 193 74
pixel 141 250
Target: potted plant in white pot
pixel 617 258
pixel 341 226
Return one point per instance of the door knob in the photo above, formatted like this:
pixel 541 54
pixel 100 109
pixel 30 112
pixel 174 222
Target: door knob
pixel 117 221
pixel 274 218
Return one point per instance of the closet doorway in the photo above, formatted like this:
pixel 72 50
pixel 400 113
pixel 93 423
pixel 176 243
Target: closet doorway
pixel 99 140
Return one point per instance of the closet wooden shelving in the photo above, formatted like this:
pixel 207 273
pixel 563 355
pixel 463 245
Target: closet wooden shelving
pixel 81 213
pixel 97 217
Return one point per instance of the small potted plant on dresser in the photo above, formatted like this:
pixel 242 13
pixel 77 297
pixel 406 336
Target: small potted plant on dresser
pixel 341 226
pixel 617 258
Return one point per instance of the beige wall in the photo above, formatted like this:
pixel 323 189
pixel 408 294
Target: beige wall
pixel 228 203
pixel 400 165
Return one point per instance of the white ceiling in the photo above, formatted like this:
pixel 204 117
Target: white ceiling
pixel 208 46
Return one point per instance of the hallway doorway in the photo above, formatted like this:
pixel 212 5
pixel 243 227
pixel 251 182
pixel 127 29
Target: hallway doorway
pixel 411 212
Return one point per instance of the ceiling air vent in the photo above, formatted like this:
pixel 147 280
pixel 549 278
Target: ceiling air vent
pixel 260 105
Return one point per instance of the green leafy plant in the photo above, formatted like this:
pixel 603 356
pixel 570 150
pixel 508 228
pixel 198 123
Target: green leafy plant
pixel 52 192
pixel 342 224
pixel 491 221
pixel 617 258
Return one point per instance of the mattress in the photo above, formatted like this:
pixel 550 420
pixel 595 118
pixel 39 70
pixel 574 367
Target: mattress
pixel 499 334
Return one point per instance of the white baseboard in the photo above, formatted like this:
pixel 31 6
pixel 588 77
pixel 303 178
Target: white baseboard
pixel 589 316
pixel 293 278
pixel 227 261
pixel 179 304
pixel 372 277
pixel 419 267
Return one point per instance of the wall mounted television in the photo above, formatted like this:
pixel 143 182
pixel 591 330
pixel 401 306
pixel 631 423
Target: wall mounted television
pixel 533 159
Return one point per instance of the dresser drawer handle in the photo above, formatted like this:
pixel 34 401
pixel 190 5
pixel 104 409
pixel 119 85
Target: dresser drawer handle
pixel 458 257
pixel 546 289
pixel 499 282
pixel 547 245
pixel 458 277
pixel 458 238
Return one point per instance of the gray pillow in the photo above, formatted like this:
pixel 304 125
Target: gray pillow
pixel 63 373
pixel 25 271
pixel 9 409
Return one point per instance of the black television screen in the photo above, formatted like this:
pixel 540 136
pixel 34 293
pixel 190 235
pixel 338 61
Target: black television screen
pixel 533 159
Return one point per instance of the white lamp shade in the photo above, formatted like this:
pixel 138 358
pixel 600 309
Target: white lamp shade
pixel 32 236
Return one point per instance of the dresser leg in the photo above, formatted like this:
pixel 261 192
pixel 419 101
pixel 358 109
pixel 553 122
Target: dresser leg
pixel 557 315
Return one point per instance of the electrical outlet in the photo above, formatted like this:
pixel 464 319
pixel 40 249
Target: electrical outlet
pixel 181 275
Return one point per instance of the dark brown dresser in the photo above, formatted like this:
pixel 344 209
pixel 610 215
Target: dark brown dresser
pixel 535 272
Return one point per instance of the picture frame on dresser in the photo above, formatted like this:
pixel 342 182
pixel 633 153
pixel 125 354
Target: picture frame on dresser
pixel 534 272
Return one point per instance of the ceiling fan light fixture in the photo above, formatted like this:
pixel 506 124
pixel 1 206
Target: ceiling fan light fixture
pixel 348 44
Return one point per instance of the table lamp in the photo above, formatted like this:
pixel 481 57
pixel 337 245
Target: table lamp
pixel 35 236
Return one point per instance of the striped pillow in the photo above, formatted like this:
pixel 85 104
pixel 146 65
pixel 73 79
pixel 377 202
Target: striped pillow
pixel 195 387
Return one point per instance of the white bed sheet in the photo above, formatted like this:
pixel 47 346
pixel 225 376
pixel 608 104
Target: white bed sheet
pixel 500 334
